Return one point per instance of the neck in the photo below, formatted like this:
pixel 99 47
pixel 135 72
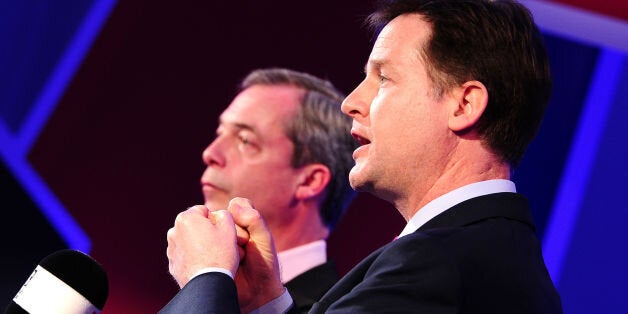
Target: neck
pixel 304 227
pixel 463 168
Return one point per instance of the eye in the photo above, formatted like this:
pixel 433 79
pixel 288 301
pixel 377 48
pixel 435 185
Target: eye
pixel 243 139
pixel 248 144
pixel 246 138
pixel 382 79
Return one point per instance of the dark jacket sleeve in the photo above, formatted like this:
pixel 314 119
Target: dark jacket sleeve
pixel 212 292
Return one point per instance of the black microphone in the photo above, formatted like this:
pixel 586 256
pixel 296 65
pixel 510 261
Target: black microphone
pixel 66 281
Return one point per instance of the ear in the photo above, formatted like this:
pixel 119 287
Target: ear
pixel 471 100
pixel 312 181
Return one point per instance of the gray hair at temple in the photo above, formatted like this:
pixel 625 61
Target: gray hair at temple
pixel 320 132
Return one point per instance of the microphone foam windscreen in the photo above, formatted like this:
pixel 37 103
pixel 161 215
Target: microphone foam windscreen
pixel 66 281
pixel 80 272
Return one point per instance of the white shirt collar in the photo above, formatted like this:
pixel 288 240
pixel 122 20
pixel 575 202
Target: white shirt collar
pixel 457 196
pixel 297 260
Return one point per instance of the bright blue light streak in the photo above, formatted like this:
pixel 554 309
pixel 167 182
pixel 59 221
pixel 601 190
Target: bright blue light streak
pixel 14 149
pixel 572 188
pixel 63 73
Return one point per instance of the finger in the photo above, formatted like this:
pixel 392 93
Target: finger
pixel 244 214
pixel 241 253
pixel 223 219
pixel 170 236
pixel 170 251
pixel 245 202
pixel 212 217
pixel 242 235
pixel 199 209
pixel 186 215
pixel 237 207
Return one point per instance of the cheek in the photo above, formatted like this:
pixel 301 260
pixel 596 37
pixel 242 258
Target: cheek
pixel 269 192
pixel 387 125
pixel 246 180
pixel 259 178
pixel 398 134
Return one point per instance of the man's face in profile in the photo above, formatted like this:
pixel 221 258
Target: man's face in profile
pixel 398 119
pixel 251 154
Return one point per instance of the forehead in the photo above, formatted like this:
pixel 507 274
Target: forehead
pixel 400 41
pixel 263 106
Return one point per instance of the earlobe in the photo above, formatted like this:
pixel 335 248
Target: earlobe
pixel 470 102
pixel 313 181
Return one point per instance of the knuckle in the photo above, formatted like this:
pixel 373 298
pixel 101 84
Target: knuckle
pixel 179 219
pixel 170 235
pixel 242 201
pixel 221 215
pixel 255 215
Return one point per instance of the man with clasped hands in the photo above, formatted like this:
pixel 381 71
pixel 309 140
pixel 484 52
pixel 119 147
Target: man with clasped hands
pixel 454 91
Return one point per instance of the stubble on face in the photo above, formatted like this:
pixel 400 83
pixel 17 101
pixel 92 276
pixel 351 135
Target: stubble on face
pixel 401 117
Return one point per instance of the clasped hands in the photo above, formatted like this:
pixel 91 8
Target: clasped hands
pixel 235 239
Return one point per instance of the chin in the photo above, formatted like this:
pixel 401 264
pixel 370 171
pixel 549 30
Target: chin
pixel 361 180
pixel 213 205
pixel 365 187
pixel 356 181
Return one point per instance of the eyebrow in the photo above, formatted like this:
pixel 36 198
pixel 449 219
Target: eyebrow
pixel 375 64
pixel 237 125
pixel 243 126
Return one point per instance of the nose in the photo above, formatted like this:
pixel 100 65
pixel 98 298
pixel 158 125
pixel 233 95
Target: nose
pixel 357 104
pixel 213 154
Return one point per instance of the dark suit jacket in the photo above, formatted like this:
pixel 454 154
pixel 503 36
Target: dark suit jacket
pixel 480 256
pixel 307 288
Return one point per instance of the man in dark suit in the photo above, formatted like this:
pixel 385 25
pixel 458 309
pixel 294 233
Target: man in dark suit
pixel 453 94
pixel 284 144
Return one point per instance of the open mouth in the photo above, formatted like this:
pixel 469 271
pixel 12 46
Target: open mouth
pixel 360 139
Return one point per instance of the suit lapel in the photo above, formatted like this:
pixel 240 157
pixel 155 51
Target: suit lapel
pixel 346 283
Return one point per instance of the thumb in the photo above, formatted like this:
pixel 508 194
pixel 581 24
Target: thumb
pixel 260 245
pixel 245 216
pixel 258 279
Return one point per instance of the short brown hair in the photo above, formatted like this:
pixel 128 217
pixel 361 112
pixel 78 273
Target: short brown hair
pixel 496 43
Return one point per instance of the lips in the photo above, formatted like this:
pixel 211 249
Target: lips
pixel 209 186
pixel 362 140
pixel 359 137
pixel 211 181
pixel 214 177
